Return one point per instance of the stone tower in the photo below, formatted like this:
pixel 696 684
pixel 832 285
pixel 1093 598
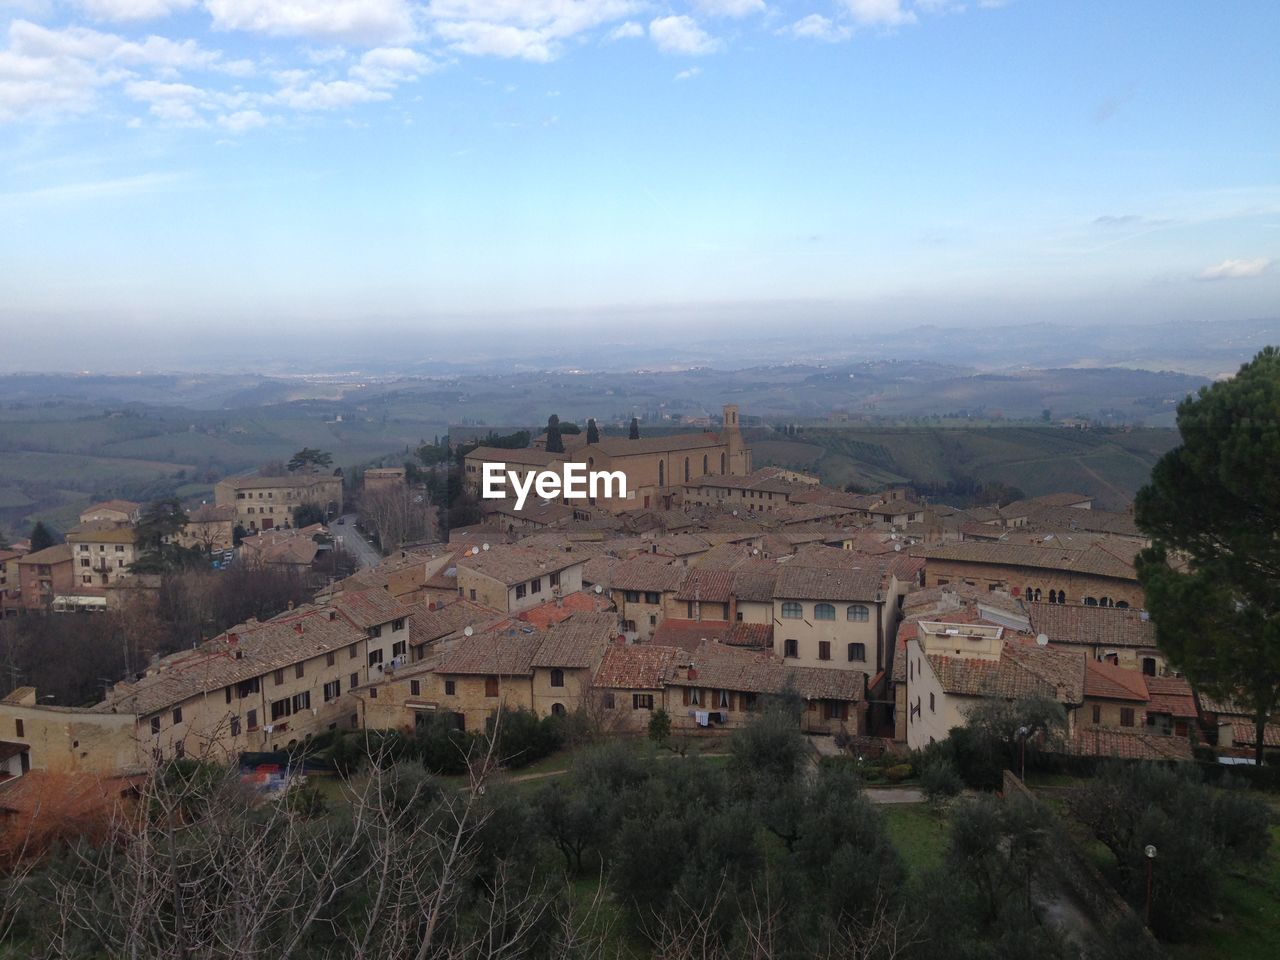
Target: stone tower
pixel 739 455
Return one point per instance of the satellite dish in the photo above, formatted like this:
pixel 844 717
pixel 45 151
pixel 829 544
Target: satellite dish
pixel 599 588
pixel 467 631
pixel 735 513
pixel 1043 639
pixel 755 551
pixel 486 546
pixel 474 551
pixel 897 548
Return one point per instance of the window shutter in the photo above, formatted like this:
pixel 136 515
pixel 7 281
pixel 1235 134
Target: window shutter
pixel 844 711
pixel 733 700
pixel 686 695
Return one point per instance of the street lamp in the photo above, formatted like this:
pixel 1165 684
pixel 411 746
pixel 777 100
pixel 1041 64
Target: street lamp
pixel 1022 751
pixel 1149 851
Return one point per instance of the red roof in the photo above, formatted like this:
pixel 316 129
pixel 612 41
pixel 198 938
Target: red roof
pixel 1108 682
pixel 1171 695
pixel 691 634
pixel 545 614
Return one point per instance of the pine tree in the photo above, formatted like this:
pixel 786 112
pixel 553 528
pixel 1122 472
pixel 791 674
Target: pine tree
pixel 554 443
pixel 41 537
pixel 635 428
pixel 593 432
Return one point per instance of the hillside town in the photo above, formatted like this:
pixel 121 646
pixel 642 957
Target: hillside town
pixel 713 586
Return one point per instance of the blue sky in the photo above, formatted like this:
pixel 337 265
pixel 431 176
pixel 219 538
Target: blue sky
pixel 176 162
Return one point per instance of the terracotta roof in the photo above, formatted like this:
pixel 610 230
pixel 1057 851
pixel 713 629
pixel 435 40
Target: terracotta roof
pixel 577 642
pixel 1021 672
pixel 253 481
pixel 58 553
pixel 1171 695
pixel 427 625
pixel 691 634
pixel 646 572
pixel 826 583
pixel 623 446
pixel 1093 561
pixel 599 569
pixel 512 564
pixel 1092 626
pixel 895 508
pixel 504 649
pixel 755 583
pixel 119 506
pixel 713 586
pixel 635 666
pixel 211 513
pixel 681 545
pixel 529 456
pixel 1223 708
pixel 1246 735
pixel 719 667
pixel 1110 742
pixel 1105 681
pixel 551 612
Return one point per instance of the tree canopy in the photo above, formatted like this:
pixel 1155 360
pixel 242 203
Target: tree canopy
pixel 554 443
pixel 310 457
pixel 593 431
pixel 634 433
pixel 41 537
pixel 1212 511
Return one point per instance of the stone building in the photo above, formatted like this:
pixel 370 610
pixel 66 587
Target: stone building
pixel 264 503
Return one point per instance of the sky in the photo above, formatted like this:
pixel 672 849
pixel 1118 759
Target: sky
pixel 214 172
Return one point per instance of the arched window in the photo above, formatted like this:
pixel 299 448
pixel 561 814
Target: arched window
pixel 558 709
pixel 858 613
pixel 1122 604
pixel 824 611
pixel 704 464
pixel 1037 593
pixel 591 463
pixel 792 610
pixel 1028 593
pixel 1104 602
pixel 1090 602
pixel 661 474
pixel 557 677
pixel 722 464
pixel 686 469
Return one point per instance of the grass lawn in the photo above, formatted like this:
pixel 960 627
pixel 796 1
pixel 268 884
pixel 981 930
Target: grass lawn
pixel 916 832
pixel 1250 929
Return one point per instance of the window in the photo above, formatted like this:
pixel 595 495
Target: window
pixel 557 677
pixel 857 652
pixel 155 726
pixel 450 688
pixel 632 596
pixel 520 591
pixel 607 700
pixel 398 648
pixel 18 727
pixel 373 693
pixel 247 687
pixel 688 609
pixel 1097 714
pixel 235 726
pixel 791 648
pixel 329 659
pixel 557 709
pixel 352 652
pixel 415 688
pixel 179 750
pixel 472 592
pixel 280 709
pixel 354 681
pixel 824 649
pixel 177 715
pixel 332 690
pixel 251 719
pixel 298 670
pixel 747 701
pixel 695 697
pixel 375 657
pixel 652 597
pixel 554 579
pixel 490 686
pixel 722 699
pixel 397 624
pixel 535 585
pixel 278 677
pixel 932 708
pixel 1126 716
pixel 1148 666
pixel 792 610
pixel 375 632
pixel 857 613
pixel 642 701
pixel 824 611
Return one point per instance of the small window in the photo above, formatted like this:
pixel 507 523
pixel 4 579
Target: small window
pixel 1126 716
pixel 824 649
pixel 251 719
pixel 298 670
pixel 824 611
pixel 1097 714
pixel 490 686
pixel 557 677
pixel 398 648
pixel 19 727
pixel 695 697
pixel 278 677
pixel 415 688
pixel 280 709
pixel 177 715
pixel 857 652
pixel 375 632
pixel 642 701
pixel 932 708
pixel 722 699
pixel 857 613
pixel 632 596
pixel 535 585
pixel 329 659
pixel 352 652
pixel 520 591
pixel 373 693
pixel 375 657
pixel 791 648
pixel 554 579
pixel 155 725
pixel 235 726
pixel 354 681
pixel 607 700
pixel 792 610
pixel 652 597
pixel 397 624
pixel 450 688
pixel 332 690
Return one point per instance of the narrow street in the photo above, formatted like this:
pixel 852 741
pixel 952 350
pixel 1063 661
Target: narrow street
pixel 351 539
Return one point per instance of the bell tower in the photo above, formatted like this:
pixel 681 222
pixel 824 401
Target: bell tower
pixel 739 456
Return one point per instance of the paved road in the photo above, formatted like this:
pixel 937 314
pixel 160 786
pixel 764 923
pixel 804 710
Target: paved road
pixel 365 553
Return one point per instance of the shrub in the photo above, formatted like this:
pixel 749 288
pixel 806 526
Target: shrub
pixel 898 772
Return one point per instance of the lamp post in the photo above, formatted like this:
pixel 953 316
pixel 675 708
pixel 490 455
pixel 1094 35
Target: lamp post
pixel 1150 852
pixel 1022 752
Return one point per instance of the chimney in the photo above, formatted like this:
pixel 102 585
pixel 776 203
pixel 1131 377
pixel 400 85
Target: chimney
pixel 290 607
pixel 298 626
pixel 233 638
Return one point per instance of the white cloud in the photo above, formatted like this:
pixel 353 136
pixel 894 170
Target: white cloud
pixel 390 66
pixel 1237 269
pixel 817 27
pixel 688 74
pixel 368 21
pixel 626 31
pixel 524 29
pixel 729 8
pixel 328 95
pixel 179 103
pixel 681 34
pixel 129 10
pixel 242 121
pixel 81 43
pixel 884 13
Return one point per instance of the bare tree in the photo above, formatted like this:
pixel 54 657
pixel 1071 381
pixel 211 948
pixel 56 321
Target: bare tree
pixel 397 515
